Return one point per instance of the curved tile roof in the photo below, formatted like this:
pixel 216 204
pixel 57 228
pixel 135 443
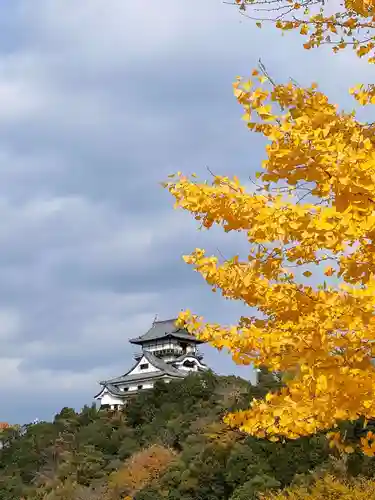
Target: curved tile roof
pixel 162 369
pixel 164 329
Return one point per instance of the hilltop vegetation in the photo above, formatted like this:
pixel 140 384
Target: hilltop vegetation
pixel 169 444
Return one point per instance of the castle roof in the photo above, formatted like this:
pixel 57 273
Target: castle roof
pixel 164 330
pixel 187 355
pixel 162 369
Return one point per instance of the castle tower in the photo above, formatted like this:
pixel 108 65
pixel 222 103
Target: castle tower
pixel 167 353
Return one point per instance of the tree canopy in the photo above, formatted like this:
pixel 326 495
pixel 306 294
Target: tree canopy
pixel 323 22
pixel 310 224
pixel 180 450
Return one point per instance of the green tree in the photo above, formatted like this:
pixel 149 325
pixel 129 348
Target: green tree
pixel 149 493
pixel 245 463
pixel 254 486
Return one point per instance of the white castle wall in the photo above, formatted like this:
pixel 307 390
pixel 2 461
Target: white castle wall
pixel 137 370
pixel 134 387
pixel 110 400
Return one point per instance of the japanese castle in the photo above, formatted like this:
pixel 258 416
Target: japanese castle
pixel 168 353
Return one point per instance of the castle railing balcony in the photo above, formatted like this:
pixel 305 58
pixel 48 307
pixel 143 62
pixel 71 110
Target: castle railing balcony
pixel 170 351
pixel 162 352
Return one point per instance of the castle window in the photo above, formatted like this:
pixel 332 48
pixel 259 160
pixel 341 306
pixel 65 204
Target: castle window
pixel 189 364
pixel 144 366
pixel 183 346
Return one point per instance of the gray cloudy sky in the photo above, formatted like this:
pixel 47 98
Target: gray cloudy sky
pixel 99 101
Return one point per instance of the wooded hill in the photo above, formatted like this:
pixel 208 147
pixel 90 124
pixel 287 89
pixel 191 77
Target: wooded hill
pixel 169 444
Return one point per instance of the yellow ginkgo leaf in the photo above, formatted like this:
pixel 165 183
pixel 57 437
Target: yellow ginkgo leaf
pixel 329 271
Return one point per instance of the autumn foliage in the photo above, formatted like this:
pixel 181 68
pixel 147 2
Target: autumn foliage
pixel 340 25
pixel 141 469
pixel 310 269
pixel 329 488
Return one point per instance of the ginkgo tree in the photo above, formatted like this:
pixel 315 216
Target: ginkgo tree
pixel 312 213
